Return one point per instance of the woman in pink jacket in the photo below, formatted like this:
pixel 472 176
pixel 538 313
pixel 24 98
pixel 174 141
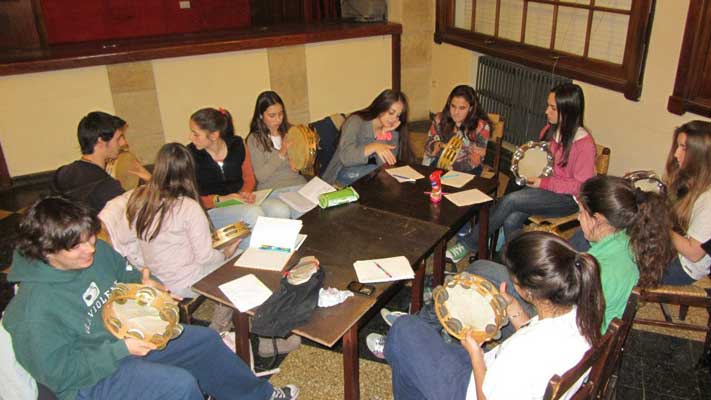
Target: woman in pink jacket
pixel 574 154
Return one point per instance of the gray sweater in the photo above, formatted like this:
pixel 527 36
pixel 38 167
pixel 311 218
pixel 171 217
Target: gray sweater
pixel 355 135
pixel 270 170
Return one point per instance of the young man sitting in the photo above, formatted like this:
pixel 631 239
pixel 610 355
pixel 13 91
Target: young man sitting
pixel 101 138
pixel 58 335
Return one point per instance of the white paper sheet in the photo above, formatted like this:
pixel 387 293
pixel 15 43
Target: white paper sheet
pixel 393 269
pixel 269 260
pixel 404 174
pixel 246 292
pixel 261 195
pixel 456 179
pixel 275 232
pixel 468 197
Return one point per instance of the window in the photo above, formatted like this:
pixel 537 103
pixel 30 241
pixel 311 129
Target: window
pixel 602 42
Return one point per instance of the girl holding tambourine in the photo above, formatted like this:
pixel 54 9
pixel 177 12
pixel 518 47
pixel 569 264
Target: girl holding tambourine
pixel 461 116
pixel 574 154
pixel 688 178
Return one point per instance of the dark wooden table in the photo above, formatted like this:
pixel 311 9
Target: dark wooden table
pixel 381 191
pixel 338 237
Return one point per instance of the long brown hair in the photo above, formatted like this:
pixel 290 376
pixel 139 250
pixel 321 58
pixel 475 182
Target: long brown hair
pixel 470 123
pixel 381 104
pixel 551 270
pixel 687 182
pixel 258 128
pixel 173 177
pixel 645 217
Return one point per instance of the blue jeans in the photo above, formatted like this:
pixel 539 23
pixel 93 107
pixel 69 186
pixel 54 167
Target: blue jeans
pixel 194 362
pixel 675 275
pixel 423 365
pixel 512 211
pixel 348 175
pixel 274 205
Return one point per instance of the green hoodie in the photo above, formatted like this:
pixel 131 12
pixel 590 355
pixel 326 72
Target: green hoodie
pixel 55 320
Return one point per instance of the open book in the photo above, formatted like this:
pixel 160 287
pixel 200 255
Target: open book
pixel 273 242
pixel 306 198
pixel 259 197
pixel 383 270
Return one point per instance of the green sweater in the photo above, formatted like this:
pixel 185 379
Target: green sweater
pixel 55 320
pixel 618 273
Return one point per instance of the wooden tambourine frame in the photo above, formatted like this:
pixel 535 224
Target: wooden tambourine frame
pixel 449 153
pixel 537 162
pixel 468 302
pixel 647 181
pixel 303 143
pixel 153 316
pixel 225 235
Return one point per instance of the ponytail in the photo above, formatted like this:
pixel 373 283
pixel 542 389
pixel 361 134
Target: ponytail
pixel 591 303
pixel 214 120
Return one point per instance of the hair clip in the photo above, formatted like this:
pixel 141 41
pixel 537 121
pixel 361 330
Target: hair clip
pixel 222 111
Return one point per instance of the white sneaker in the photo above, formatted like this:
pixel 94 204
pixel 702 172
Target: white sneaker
pixel 391 316
pixel 457 253
pixel 376 344
pixel 288 392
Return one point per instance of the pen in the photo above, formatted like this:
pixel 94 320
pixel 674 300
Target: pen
pixel 274 248
pixel 449 176
pixel 404 177
pixel 382 269
pixel 441 193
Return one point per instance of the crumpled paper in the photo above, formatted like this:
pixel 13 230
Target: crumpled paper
pixel 332 296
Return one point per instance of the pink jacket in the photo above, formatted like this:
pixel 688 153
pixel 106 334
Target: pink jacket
pixel 580 167
pixel 180 251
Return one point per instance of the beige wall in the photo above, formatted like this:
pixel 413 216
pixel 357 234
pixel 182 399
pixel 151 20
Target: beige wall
pixel 639 133
pixel 39 114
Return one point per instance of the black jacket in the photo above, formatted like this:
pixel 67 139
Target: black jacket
pixel 86 182
pixel 212 179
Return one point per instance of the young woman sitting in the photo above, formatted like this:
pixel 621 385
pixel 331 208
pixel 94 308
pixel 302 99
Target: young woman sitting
pixel 461 116
pixel 574 155
pixel 224 170
pixel 688 178
pixel 562 284
pixel 369 139
pixel 269 149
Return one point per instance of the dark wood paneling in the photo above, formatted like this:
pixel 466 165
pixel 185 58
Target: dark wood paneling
pixel 18 25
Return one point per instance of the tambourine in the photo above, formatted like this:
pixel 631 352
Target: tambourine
pixel 221 237
pixel 449 154
pixel 302 143
pixel 533 159
pixel 118 169
pixel 468 302
pixel 647 181
pixel 138 311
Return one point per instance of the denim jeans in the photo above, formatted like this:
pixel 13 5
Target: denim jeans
pixel 675 275
pixel 512 211
pixel 274 205
pixel 194 362
pixel 348 175
pixel 423 365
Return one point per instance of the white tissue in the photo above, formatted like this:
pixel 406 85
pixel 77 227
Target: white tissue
pixel 332 296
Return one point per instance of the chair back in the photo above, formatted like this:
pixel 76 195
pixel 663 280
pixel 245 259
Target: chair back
pixel 593 361
pixel 613 363
pixel 602 161
pixel 329 132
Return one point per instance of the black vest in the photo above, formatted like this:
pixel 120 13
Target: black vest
pixel 212 179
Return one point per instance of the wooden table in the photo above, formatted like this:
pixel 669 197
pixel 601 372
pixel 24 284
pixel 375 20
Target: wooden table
pixel 381 191
pixel 338 237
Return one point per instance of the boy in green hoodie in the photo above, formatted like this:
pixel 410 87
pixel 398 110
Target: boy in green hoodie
pixel 65 278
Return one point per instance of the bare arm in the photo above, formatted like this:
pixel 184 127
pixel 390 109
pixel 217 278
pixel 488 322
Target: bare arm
pixel 688 247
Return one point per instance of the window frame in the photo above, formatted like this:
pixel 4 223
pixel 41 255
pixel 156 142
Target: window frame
pixel 626 78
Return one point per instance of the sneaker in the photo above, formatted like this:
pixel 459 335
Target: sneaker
pixel 376 344
pixel 288 392
pixel 457 253
pixel 283 346
pixel 391 316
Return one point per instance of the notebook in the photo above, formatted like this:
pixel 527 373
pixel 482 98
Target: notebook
pixel 259 197
pixel 272 244
pixel 246 292
pixel 383 270
pixel 306 198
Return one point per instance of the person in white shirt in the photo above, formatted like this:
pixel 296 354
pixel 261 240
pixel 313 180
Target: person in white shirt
pixel 562 284
pixel 688 178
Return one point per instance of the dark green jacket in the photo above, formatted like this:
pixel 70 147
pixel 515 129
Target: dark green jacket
pixel 55 320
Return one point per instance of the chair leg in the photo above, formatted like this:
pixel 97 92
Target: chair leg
pixel 683 311
pixel 665 311
pixel 705 359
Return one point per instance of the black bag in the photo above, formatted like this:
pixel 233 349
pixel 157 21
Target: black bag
pixel 288 308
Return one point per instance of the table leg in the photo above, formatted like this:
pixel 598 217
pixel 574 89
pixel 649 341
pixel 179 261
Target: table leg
pixel 418 285
pixel 241 322
pixel 483 253
pixel 438 261
pixel 351 381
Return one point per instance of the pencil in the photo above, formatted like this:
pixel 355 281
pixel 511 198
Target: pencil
pixel 403 177
pixel 382 269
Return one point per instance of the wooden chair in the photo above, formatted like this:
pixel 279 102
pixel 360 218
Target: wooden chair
pixel 611 372
pixel 684 297
pixel 562 225
pixel 497 135
pixel 601 361
pixel 187 307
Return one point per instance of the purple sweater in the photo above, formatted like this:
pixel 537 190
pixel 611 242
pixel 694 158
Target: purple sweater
pixel 580 167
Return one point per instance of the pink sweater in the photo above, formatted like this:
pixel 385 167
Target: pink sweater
pixel 580 167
